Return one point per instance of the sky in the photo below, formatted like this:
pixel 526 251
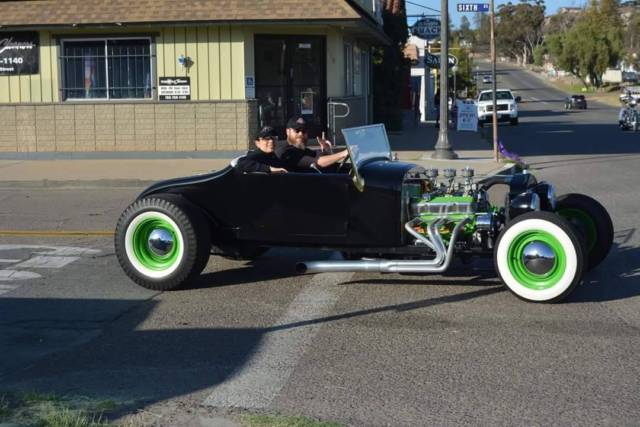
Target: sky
pixel 551 5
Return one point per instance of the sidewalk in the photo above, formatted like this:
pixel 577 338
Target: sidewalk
pixel 413 144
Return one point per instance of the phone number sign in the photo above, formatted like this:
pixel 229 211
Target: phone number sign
pixel 174 89
pixel 19 53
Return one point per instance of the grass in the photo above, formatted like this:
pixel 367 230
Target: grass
pixel 50 410
pixel 284 421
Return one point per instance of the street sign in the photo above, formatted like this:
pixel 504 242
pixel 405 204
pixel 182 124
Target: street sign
pixel 426 28
pixel 433 61
pixel 473 7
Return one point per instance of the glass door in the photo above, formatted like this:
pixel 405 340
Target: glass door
pixel 291 81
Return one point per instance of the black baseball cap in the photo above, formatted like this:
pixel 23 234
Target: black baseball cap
pixel 266 132
pixel 297 123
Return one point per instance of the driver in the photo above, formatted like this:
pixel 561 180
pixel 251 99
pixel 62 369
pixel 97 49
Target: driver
pixel 295 155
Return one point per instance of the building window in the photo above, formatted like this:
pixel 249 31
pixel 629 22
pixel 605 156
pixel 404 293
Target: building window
pixel 348 69
pixel 357 71
pixel 106 69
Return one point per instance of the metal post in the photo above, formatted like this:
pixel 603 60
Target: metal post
pixel 493 84
pixel 443 149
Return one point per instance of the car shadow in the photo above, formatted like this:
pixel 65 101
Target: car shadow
pixel 75 347
pixel 616 278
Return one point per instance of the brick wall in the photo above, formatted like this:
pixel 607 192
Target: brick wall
pixel 197 126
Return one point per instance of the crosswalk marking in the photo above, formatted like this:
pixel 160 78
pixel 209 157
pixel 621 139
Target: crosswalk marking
pixel 11 275
pixel 264 376
pixel 47 262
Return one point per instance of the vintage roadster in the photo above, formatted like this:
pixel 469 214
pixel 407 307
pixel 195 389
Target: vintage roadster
pixel 382 215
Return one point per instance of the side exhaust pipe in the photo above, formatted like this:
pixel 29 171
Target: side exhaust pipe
pixel 438 264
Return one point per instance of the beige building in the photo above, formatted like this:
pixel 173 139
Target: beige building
pixel 197 75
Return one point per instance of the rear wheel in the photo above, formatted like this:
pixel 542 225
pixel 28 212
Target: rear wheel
pixel 592 221
pixel 162 243
pixel 540 257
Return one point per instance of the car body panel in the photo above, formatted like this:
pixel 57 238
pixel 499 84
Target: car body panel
pixel 298 208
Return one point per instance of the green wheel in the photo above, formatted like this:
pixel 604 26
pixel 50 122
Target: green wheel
pixel 592 221
pixel 162 243
pixel 540 257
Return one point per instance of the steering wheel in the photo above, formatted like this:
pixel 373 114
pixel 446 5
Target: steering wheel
pixel 342 162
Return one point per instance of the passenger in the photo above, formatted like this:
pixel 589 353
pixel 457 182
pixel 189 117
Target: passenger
pixel 264 158
pixel 296 156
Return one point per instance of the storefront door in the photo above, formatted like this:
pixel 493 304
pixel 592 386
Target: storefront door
pixel 291 81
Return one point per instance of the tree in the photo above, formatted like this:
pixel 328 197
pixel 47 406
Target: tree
pixel 592 44
pixel 519 29
pixel 465 31
pixel 390 67
pixel 482 36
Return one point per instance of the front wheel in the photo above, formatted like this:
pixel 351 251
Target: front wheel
pixel 162 243
pixel 540 257
pixel 592 221
pixel 514 122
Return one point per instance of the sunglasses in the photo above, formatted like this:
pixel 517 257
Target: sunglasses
pixel 300 130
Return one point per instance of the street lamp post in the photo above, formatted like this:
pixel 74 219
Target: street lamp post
pixel 443 149
pixel 494 115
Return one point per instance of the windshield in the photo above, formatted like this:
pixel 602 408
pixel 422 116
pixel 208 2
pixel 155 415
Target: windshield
pixel 366 143
pixel 500 95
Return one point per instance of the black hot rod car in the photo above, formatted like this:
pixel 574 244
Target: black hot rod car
pixel 383 215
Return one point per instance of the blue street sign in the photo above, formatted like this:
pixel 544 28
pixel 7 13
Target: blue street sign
pixel 473 7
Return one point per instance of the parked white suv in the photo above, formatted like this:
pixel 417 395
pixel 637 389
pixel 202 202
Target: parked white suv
pixel 507 106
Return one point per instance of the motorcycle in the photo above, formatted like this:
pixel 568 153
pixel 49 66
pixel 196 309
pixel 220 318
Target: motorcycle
pixel 629 118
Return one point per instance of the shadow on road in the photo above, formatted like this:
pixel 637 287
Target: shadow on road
pixel 122 359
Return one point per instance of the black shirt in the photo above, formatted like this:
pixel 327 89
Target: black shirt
pixel 258 161
pixel 296 159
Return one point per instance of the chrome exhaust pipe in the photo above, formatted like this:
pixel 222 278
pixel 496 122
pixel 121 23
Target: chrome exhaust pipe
pixel 438 264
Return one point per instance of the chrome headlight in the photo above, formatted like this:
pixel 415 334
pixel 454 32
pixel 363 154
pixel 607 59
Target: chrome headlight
pixel 551 196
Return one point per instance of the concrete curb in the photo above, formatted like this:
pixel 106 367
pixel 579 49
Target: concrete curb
pixel 80 184
pixel 121 155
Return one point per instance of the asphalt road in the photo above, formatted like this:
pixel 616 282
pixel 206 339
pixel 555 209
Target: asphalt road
pixel 362 349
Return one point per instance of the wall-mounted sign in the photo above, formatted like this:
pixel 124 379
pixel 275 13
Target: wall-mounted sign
pixel 426 28
pixel 250 87
pixel 433 61
pixel 473 7
pixel 174 89
pixel 19 53
pixel 306 102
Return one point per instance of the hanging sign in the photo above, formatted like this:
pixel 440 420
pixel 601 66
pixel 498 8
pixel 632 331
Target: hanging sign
pixel 174 89
pixel 426 28
pixel 433 61
pixel 19 53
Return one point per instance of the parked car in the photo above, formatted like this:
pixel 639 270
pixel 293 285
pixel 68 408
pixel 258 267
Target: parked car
pixel 575 102
pixel 629 93
pixel 487 79
pixel 630 76
pixel 383 215
pixel 506 103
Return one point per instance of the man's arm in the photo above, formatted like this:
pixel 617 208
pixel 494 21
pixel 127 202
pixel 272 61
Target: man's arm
pixel 329 159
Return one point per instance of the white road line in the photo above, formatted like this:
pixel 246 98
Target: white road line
pixel 264 376
pixel 9 261
pixel 47 262
pixel 12 275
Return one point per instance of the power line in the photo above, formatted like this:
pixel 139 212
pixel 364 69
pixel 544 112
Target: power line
pixel 419 5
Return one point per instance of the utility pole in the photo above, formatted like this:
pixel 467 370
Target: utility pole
pixel 494 83
pixel 443 148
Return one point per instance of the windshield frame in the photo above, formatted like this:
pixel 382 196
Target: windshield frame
pixel 360 157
